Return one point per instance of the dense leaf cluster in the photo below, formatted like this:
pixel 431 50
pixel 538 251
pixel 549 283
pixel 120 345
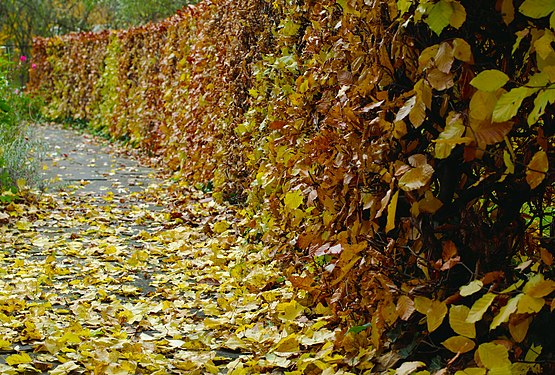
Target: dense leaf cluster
pixel 394 151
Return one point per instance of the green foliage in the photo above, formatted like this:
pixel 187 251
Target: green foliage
pixel 18 152
pixel 388 149
pixel 128 13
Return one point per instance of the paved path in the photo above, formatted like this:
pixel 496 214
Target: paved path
pixel 113 270
pixel 81 159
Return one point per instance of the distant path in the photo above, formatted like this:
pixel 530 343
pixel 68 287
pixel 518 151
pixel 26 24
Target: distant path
pixel 73 158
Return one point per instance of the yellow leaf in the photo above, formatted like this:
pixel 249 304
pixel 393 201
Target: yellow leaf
pixel 424 93
pixel 211 324
pixel 493 356
pixel 403 6
pixel 482 104
pixel 506 370
pixel 505 312
pixel 234 343
pixel 479 307
pixel 429 204
pixel 459 15
pixel 472 371
pixel 18 359
pixel 391 211
pixel 418 113
pixel 5 345
pixel 416 177
pixel 211 368
pixel 293 199
pixel 388 311
pixel 537 169
pixel 533 353
pixel 318 337
pixel 21 183
pixel 542 100
pixel 405 109
pixel 543 44
pixel 435 311
pixel 490 80
pixel 289 311
pixel 53 345
pixel 457 321
pixel 346 268
pixel 425 60
pixel 537 8
pixel 519 330
pixel 459 344
pixel 462 50
pixel 471 288
pixel 454 129
pixel 508 162
pixel 422 304
pixel 322 310
pixel 538 287
pixel 508 104
pixel 400 129
pixel 221 226
pixel 289 344
pixel 512 287
pixel 23 225
pixel 530 305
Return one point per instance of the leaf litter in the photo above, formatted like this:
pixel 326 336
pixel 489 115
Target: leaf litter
pixel 153 282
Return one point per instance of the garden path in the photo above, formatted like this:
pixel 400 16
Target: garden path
pixel 114 270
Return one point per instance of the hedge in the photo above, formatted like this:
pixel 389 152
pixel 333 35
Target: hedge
pixel 397 154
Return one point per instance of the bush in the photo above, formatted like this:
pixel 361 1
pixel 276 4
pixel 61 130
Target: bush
pixel 19 152
pixel 397 154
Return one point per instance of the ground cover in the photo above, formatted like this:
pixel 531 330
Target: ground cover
pixel 107 280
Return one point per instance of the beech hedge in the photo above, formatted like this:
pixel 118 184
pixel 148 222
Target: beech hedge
pixel 399 155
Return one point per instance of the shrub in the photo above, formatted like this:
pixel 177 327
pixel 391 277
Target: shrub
pixel 19 152
pixel 397 154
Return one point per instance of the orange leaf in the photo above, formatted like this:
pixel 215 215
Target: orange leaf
pixel 489 133
pixel 405 307
pixel 537 169
pixel 439 80
pixel 304 283
pixel 449 250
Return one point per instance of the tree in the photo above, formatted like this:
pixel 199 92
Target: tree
pixel 135 12
pixel 21 20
